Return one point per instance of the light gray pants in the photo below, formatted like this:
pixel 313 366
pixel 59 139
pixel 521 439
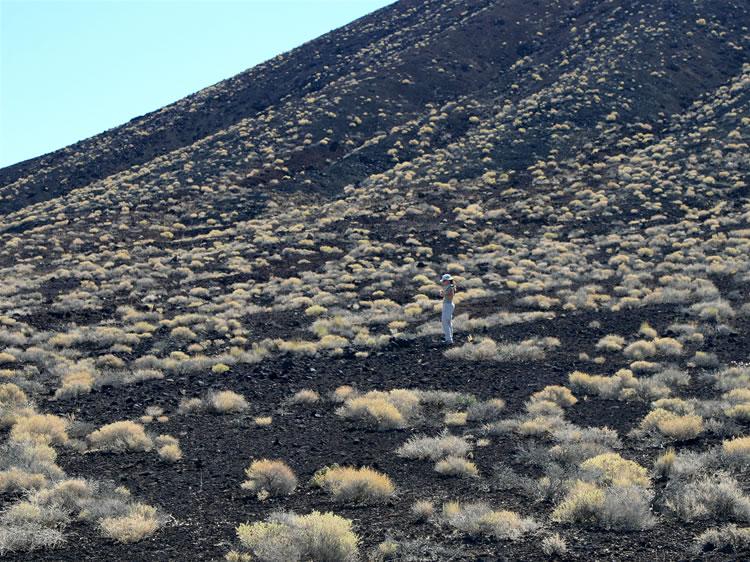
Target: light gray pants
pixel 448 308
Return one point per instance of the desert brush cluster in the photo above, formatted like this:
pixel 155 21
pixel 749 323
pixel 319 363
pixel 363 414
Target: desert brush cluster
pixel 229 348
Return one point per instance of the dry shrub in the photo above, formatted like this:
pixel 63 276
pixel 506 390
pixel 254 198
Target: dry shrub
pixel 664 463
pixel 610 469
pixel 640 349
pixel 716 496
pixel 227 402
pixel 13 405
pixel 44 428
pixel 32 512
pixel 540 425
pixel 605 387
pixel 611 342
pixel 557 394
pixel 343 393
pixel 168 448
pixel 728 539
pixel 141 522
pixel 737 450
pixel 618 508
pixel 373 410
pixel 544 408
pixel 17 480
pixel 456 466
pixel 677 406
pixel 485 411
pixel 669 347
pixel 305 396
pixel 434 448
pixel 170 453
pixel 740 412
pixel 14 538
pixel 121 436
pixel 287 537
pixel 487 349
pixel 74 384
pixel 271 477
pixel 384 410
pixel 12 396
pixel 352 484
pixel 554 545
pixel 478 519
pixel 455 418
pixel 191 406
pixel 423 510
pixel 67 494
pixel 681 428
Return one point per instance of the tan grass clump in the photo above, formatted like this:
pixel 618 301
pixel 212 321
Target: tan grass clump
pixel 554 545
pixel 121 436
pixel 681 428
pixel 45 428
pixel 478 519
pixel 191 406
pixel 668 424
pixel 423 510
pixel 384 410
pixel 557 394
pixel 305 396
pixel 13 405
pixel 641 349
pixel 342 393
pixel 718 495
pixel 740 412
pixel 141 522
pixel 610 469
pixel 270 477
pixel 227 402
pixel 456 466
pixel 664 462
pixel 170 452
pixel 352 484
pixel 16 480
pixel 611 343
pixel 729 539
pixel 315 537
pixel 74 384
pixel 434 448
pixel 737 449
pixel 597 385
pixel 620 508
pixel 455 418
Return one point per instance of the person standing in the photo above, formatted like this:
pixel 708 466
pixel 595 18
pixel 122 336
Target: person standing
pixel 447 291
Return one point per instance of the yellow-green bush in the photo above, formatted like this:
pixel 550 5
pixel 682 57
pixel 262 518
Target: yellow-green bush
pixel 478 519
pixel 141 522
pixel 227 402
pixel 456 466
pixel 317 537
pixel 557 394
pixel 121 436
pixel 46 428
pixel 610 469
pixel 737 449
pixel 352 484
pixel 271 477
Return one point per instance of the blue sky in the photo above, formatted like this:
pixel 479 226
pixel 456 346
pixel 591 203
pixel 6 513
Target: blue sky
pixel 72 69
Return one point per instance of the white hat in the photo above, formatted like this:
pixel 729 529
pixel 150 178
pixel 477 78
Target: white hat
pixel 446 277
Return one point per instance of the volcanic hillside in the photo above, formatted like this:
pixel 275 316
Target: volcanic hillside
pixel 219 323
